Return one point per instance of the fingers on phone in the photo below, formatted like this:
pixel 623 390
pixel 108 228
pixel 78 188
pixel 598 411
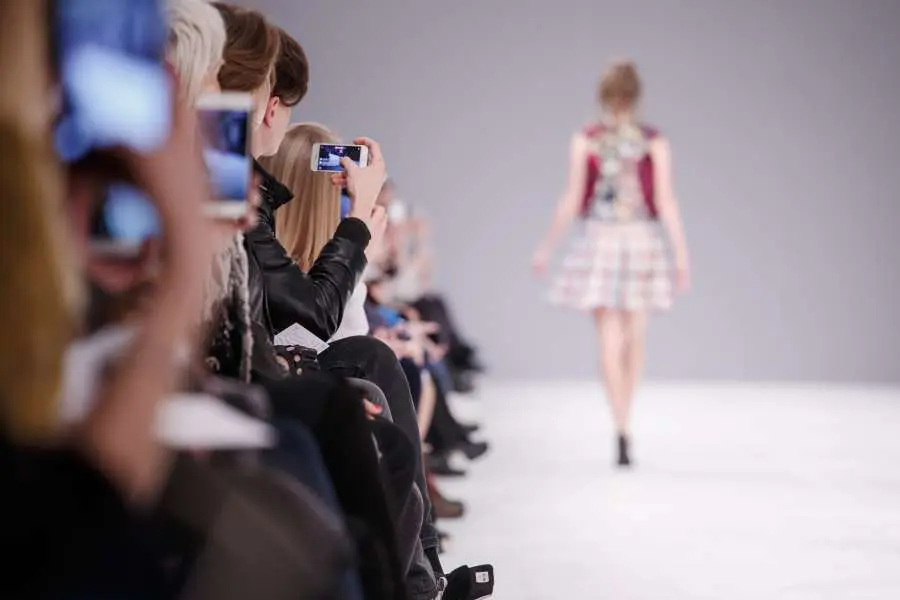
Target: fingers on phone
pixel 373 146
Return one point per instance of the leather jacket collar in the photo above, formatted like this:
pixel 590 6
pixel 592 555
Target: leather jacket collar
pixel 273 193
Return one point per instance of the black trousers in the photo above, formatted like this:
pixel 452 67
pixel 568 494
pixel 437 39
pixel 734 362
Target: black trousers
pixel 334 414
pixel 367 358
pixel 445 432
pixel 297 454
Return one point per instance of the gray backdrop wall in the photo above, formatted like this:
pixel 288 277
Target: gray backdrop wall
pixel 783 116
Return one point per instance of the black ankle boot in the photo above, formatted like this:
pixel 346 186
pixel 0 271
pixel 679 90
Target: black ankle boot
pixel 474 450
pixel 469 583
pixel 624 452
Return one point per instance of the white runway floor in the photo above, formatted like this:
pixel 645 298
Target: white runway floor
pixel 756 493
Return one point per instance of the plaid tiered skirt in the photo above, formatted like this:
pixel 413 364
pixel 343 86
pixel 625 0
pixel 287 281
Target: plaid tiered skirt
pixel 616 265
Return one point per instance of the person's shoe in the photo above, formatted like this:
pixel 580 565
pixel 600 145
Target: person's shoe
pixel 624 452
pixel 443 507
pixel 470 428
pixel 469 583
pixel 461 381
pixel 474 450
pixel 439 464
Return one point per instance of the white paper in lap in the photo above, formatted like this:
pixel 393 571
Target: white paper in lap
pixel 297 335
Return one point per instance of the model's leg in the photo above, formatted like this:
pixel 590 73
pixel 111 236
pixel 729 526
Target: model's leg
pixel 635 326
pixel 611 338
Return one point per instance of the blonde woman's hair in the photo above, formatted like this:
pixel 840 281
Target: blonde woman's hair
pixel 196 43
pixel 305 224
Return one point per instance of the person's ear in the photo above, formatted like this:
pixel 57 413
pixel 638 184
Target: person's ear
pixel 271 110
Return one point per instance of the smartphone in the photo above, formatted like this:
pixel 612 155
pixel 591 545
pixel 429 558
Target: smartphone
pixel 114 90
pixel 225 128
pixel 123 221
pixel 327 157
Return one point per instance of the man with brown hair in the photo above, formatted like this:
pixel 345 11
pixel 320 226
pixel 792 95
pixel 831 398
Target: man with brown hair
pixel 291 81
pixel 252 49
pixel 291 71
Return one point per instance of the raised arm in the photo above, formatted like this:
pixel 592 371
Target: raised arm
pixel 669 212
pixel 569 204
pixel 316 299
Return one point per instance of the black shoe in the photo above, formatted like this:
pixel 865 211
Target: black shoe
pixel 624 452
pixel 474 450
pixel 462 382
pixel 470 428
pixel 469 583
pixel 439 465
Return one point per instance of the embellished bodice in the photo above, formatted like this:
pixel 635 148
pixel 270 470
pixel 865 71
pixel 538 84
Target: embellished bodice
pixel 620 174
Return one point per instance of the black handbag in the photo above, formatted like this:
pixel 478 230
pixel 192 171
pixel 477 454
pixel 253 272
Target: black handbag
pixel 298 358
pixel 258 534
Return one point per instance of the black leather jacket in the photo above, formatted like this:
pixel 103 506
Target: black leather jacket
pixel 281 294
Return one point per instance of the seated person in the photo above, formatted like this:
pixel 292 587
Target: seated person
pixel 305 225
pixel 315 217
pixel 407 258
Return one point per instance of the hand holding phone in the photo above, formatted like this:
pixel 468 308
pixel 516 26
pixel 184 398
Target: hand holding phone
pixel 126 218
pixel 330 158
pixel 363 184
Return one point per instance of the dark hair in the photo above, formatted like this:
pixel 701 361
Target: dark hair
pixel 620 87
pixel 251 49
pixel 291 71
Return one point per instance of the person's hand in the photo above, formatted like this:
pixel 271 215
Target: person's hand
pixel 415 351
pixel 540 260
pixel 436 352
pixel 118 434
pixel 175 177
pixel 372 409
pixel 377 224
pixel 363 183
pixel 411 313
pixel 429 327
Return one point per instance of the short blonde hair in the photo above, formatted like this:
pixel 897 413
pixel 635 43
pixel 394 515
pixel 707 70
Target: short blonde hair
pixel 305 224
pixel 196 43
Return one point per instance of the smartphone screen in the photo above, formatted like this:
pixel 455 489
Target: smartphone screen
pixel 114 89
pixel 123 221
pixel 224 123
pixel 328 157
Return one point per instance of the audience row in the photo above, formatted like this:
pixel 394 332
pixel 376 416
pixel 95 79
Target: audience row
pixel 246 407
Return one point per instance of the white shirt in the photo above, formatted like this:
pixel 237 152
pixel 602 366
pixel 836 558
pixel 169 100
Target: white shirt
pixel 355 321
